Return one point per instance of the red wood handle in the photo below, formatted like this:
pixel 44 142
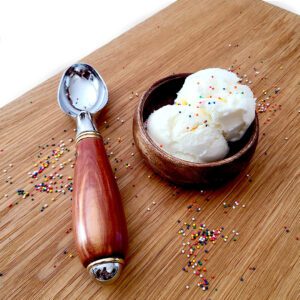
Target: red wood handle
pixel 98 217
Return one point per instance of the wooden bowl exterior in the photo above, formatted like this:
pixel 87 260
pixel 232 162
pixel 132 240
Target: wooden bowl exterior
pixel 179 171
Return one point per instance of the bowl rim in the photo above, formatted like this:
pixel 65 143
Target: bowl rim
pixel 140 109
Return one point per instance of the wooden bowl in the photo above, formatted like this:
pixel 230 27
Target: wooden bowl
pixel 179 171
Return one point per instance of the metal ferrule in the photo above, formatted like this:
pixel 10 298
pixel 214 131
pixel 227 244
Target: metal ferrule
pixel 88 134
pixel 85 126
pixel 106 270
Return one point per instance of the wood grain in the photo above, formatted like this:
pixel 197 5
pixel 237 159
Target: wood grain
pixel 99 224
pixel 185 37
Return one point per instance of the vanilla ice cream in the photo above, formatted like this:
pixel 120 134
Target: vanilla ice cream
pixel 230 104
pixel 182 132
pixel 211 108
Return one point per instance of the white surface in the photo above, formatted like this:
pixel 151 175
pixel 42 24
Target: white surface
pixel 39 38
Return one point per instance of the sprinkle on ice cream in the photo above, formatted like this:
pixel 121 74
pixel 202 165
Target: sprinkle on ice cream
pixel 211 109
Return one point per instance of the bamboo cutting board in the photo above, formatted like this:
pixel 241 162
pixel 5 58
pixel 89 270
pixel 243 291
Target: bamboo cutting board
pixel 261 219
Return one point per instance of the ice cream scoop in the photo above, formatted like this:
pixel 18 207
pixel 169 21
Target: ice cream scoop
pixel 98 218
pixel 211 108
pixel 186 134
pixel 230 104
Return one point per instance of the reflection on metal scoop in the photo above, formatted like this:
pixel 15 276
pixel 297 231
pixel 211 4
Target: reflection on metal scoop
pixel 98 217
pixel 82 92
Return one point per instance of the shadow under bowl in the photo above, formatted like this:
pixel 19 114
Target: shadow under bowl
pixel 180 171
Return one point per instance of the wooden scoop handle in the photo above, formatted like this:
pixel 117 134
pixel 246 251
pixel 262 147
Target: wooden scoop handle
pixel 98 217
